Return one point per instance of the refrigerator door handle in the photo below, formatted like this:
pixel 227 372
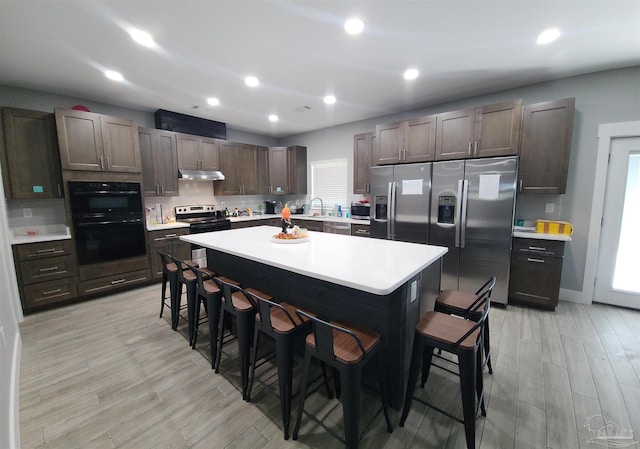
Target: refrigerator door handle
pixel 458 213
pixel 463 224
pixel 391 210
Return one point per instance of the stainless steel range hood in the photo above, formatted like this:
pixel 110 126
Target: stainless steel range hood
pixel 201 175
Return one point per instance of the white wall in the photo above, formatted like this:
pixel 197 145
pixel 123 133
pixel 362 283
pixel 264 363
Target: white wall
pixel 602 97
pixel 10 342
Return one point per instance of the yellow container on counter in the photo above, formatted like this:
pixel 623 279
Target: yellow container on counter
pixel 553 227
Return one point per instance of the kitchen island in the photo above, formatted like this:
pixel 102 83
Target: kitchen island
pixel 379 284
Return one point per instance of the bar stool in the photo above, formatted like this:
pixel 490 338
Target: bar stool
pixel 170 275
pixel 456 302
pixel 280 322
pixel 461 338
pixel 236 304
pixel 208 291
pixel 347 349
pixel 188 278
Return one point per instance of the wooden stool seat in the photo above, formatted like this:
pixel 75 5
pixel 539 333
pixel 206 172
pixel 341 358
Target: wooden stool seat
pixel 447 329
pixel 240 302
pixel 456 299
pixel 345 347
pixel 280 319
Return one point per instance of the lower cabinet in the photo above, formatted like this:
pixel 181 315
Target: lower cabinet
pixel 113 282
pixel 361 230
pixel 167 241
pixel 311 225
pixel 536 267
pixel 46 273
pixel 250 223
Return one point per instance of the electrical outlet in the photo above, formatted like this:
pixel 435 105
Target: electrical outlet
pixel 27 212
pixel 243 204
pixel 223 205
pixel 549 208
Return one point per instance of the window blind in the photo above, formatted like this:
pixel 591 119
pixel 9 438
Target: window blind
pixel 329 182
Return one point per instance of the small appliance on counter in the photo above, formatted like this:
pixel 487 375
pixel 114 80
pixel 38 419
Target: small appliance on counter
pixel 270 207
pixel 360 211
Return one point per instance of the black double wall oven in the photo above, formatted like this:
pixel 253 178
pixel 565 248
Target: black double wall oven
pixel 108 220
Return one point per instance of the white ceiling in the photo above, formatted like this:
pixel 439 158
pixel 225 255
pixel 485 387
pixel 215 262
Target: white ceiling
pixel 300 52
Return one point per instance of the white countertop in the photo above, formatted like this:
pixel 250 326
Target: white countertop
pixel 162 227
pixel 541 236
pixel 36 234
pixel 295 217
pixel 371 265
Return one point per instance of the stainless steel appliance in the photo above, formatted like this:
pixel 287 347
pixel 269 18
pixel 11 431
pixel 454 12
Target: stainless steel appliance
pixel 270 207
pixel 472 205
pixel 336 227
pixel 400 197
pixel 360 211
pixel 108 221
pixel 202 218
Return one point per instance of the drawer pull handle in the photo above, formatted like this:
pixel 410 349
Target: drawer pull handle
pixel 48 250
pixel 171 236
pixel 362 231
pixel 529 259
pixel 159 239
pixel 51 292
pixel 118 281
pixel 537 248
pixel 48 269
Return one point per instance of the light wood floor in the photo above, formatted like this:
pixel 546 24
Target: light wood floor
pixel 108 373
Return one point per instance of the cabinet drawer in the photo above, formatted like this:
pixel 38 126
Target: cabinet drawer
pixel 360 230
pixel 547 248
pixel 167 234
pixel 49 292
pixel 40 270
pixel 105 284
pixel 44 249
pixel 535 280
pixel 311 225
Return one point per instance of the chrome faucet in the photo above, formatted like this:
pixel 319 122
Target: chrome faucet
pixel 321 205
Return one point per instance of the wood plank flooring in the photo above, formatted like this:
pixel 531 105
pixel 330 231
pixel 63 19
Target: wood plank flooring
pixel 108 373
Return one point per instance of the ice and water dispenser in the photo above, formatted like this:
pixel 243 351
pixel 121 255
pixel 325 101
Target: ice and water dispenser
pixel 446 209
pixel 380 208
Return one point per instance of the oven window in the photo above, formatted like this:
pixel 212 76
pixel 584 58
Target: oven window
pixel 109 202
pixel 105 241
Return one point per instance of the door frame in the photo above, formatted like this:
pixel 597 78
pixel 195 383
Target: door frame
pixel 606 133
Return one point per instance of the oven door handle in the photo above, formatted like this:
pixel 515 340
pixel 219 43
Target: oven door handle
pixel 100 223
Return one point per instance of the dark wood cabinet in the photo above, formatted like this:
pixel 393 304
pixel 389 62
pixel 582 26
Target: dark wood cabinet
pixel 197 152
pixel 362 151
pixel 167 241
pixel 95 142
pixel 287 170
pixel 31 164
pixel 244 167
pixel 311 225
pixel 46 273
pixel 361 230
pixel 536 267
pixel 485 131
pixel 547 129
pixel 405 142
pixel 159 155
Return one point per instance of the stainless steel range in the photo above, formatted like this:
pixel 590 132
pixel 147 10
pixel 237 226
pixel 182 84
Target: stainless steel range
pixel 202 218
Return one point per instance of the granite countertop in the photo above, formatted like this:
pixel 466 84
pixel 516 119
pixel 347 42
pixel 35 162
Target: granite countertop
pixel 162 227
pixel 295 217
pixel 36 234
pixel 372 265
pixel 541 236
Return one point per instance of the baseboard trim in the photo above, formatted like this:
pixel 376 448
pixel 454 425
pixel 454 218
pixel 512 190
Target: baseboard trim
pixel 573 296
pixel 14 399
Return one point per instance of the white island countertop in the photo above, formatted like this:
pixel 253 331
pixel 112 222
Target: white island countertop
pixel 366 264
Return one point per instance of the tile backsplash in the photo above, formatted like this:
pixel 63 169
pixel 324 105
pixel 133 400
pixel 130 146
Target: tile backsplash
pixel 43 213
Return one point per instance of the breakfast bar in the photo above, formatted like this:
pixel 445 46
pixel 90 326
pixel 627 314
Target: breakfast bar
pixel 379 284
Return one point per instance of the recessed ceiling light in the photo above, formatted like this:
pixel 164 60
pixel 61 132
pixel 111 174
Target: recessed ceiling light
pixel 354 26
pixel 142 37
pixel 411 74
pixel 548 36
pixel 112 75
pixel 329 99
pixel 213 101
pixel 251 81
pixel 273 118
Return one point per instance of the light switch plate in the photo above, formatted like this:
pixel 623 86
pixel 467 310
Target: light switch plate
pixel 27 212
pixel 549 208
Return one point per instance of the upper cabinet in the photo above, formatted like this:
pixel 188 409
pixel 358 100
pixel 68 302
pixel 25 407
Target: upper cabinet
pixel 362 151
pixel 158 151
pixel 546 144
pixel 287 170
pixel 31 151
pixel 244 167
pixel 96 142
pixel 492 130
pixel 197 152
pixel 405 142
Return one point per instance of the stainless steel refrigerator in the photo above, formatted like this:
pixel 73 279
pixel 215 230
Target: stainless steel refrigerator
pixel 400 196
pixel 472 206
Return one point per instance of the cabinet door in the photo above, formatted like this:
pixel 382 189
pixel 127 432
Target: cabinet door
pixel 263 169
pixel 419 140
pixel 454 134
pixel 546 145
pixel 388 143
pixel 209 154
pixel 80 140
pixel 297 169
pixel 148 160
pixel 361 162
pixel 188 152
pixel 121 144
pixel 229 165
pixel 248 169
pixel 535 280
pixel 33 167
pixel 166 167
pixel 498 129
pixel 154 257
pixel 278 170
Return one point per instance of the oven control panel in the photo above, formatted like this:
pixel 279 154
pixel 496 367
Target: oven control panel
pixel 195 209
